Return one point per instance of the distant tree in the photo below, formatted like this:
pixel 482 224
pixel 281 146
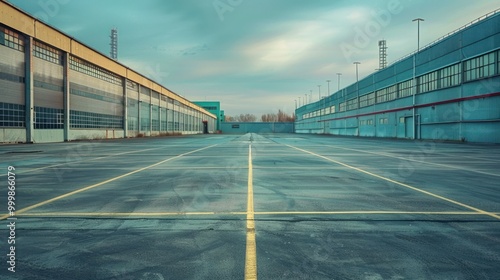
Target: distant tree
pixel 269 118
pixel 280 117
pixel 248 118
pixel 241 118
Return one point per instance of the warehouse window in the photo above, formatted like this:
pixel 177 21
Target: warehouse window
pixel 450 76
pixel 371 98
pixel 12 115
pixel 405 88
pixel 382 95
pixel 352 104
pixel 427 82
pixel 44 85
pixel 131 85
pixel 479 67
pixel 92 70
pixel 49 118
pixel 12 78
pixel 79 119
pixel 155 122
pixel 145 120
pixel 386 94
pixel 210 108
pixel 96 94
pixel 47 53
pixel 383 120
pixel 11 39
pixel 133 107
pixel 498 63
pixel 332 109
pixel 392 92
pixel 363 101
pixel 342 107
pixel 163 119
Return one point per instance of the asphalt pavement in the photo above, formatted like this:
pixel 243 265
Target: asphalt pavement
pixel 266 206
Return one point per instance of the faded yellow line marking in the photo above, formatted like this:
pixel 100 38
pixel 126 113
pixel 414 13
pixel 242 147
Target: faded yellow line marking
pixel 414 160
pixel 83 160
pixel 267 213
pixel 100 184
pixel 368 213
pixel 401 184
pixel 116 214
pixel 251 248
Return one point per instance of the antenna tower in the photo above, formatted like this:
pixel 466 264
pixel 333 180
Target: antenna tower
pixel 382 44
pixel 114 44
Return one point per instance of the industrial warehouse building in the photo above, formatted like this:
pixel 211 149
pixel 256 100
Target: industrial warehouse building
pixel 448 90
pixel 54 88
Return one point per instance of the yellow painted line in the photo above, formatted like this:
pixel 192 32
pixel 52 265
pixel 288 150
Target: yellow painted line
pixel 402 184
pixel 251 248
pixel 100 184
pixel 80 161
pixel 115 214
pixel 368 213
pixel 419 161
pixel 268 213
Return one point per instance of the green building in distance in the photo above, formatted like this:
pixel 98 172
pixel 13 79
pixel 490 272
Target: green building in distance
pixel 214 108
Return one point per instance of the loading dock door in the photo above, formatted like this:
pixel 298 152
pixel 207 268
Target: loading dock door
pixel 205 127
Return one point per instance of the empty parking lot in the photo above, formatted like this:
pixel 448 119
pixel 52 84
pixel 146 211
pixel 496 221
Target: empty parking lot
pixel 280 206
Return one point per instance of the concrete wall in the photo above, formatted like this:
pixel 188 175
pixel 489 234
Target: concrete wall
pixel 254 127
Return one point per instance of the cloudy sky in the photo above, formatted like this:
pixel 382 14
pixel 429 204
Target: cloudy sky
pixel 255 56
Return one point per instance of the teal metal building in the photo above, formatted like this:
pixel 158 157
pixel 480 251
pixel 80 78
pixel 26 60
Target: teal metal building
pixel 214 108
pixel 448 90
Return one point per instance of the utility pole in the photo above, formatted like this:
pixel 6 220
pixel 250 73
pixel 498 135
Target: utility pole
pixel 414 87
pixel 328 93
pixel 339 74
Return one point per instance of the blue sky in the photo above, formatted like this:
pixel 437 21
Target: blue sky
pixel 255 56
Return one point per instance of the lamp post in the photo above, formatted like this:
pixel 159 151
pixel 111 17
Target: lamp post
pixel 357 82
pixel 414 87
pixel 418 20
pixel 328 93
pixel 299 101
pixel 338 75
pixel 295 104
pixel 319 92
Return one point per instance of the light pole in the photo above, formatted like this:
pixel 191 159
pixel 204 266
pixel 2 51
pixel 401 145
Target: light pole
pixel 305 98
pixel 299 101
pixel 328 93
pixel 295 104
pixel 418 20
pixel 357 82
pixel 319 92
pixel 414 87
pixel 339 74
pixel 311 94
